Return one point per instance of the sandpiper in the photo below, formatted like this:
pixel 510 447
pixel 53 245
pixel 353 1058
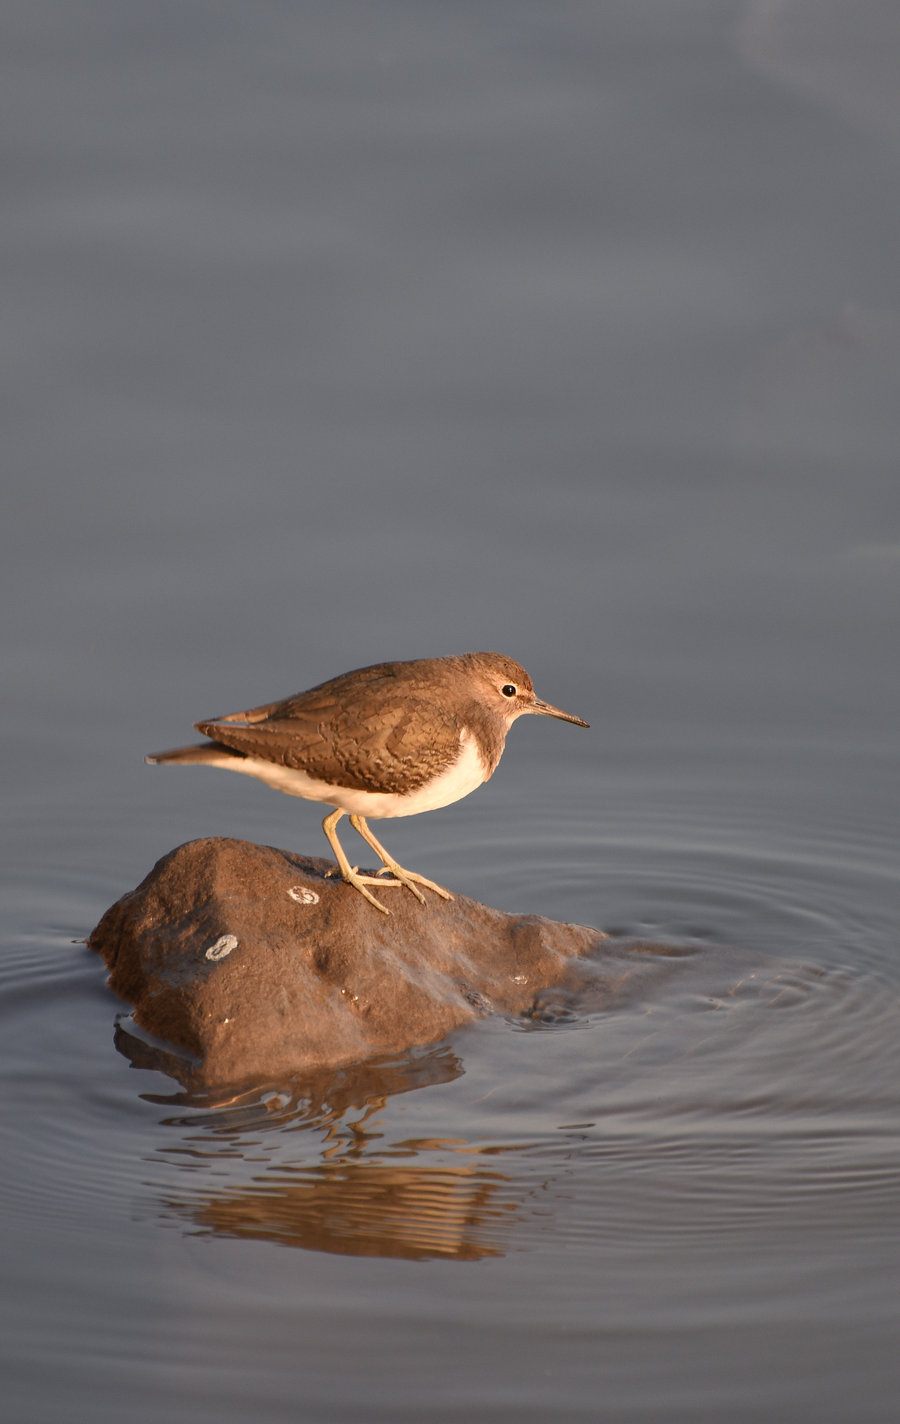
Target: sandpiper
pixel 390 740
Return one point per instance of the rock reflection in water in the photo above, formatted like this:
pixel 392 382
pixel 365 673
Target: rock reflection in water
pixel 346 1201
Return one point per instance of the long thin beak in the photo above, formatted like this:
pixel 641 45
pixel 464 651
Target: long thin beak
pixel 545 710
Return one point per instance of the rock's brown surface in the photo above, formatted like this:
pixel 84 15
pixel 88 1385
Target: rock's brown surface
pixel 250 960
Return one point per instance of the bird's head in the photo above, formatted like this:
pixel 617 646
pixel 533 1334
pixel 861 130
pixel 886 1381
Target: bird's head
pixel 505 687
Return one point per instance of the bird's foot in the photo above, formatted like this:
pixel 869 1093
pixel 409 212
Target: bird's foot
pixel 359 882
pixel 411 880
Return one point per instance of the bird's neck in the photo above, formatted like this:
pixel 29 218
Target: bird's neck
pixel 489 735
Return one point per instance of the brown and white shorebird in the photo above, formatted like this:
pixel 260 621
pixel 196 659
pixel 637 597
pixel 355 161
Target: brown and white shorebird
pixel 390 740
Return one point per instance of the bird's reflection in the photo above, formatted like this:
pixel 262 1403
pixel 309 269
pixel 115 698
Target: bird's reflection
pixel 309 1163
pixel 366 1209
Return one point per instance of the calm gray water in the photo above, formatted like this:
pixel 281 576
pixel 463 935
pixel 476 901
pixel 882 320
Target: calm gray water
pixel 337 333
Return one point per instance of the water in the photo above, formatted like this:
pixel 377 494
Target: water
pixel 396 330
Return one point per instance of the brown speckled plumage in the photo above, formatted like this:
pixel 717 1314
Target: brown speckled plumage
pixel 391 728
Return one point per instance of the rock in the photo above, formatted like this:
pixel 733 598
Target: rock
pixel 253 965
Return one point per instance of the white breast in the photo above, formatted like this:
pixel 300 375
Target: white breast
pixel 466 773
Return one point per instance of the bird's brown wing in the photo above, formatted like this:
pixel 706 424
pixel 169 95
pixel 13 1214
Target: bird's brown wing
pixel 370 731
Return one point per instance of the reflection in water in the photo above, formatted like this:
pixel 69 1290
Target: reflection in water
pixel 701 1071
pixel 367 1209
pixel 348 1200
pixel 437 1202
pixel 317 1099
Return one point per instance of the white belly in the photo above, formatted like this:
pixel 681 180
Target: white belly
pixel 466 773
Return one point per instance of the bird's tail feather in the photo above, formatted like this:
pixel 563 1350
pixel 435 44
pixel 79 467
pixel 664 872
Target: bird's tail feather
pixel 208 753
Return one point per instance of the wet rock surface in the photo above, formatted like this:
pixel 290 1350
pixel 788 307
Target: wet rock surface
pixel 252 964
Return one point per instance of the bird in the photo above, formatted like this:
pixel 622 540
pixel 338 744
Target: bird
pixel 393 739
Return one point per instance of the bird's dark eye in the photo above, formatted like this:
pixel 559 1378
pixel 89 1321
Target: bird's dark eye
pixel 509 689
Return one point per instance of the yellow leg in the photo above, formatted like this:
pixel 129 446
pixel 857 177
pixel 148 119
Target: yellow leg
pixel 349 873
pixel 409 878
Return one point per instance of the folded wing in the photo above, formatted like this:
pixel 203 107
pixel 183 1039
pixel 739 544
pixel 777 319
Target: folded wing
pixel 372 733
